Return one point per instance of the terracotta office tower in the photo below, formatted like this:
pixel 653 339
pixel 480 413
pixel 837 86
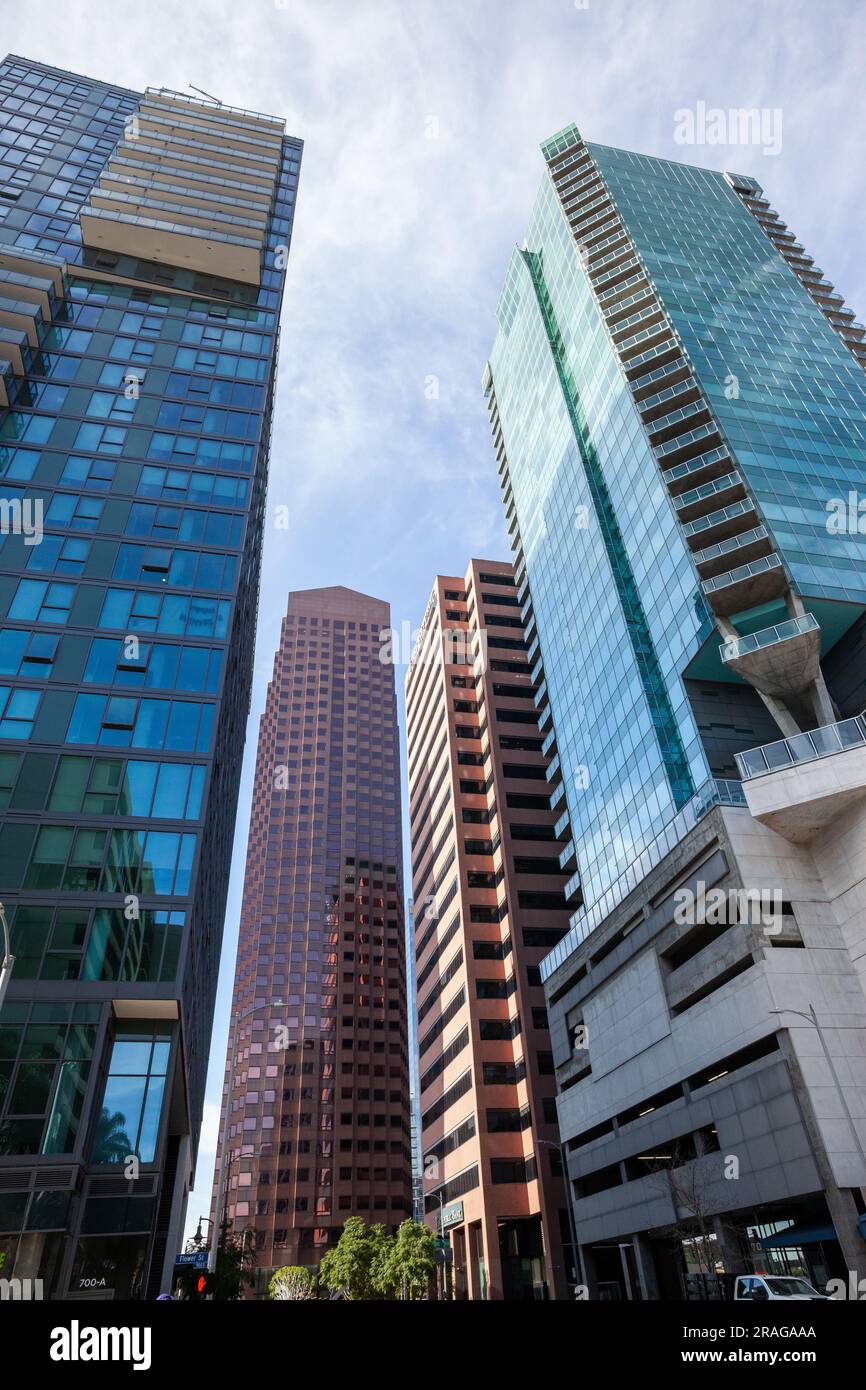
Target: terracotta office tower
pixel 320 1103
pixel 488 904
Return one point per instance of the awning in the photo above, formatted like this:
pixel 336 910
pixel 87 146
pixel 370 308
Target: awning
pixel 798 1235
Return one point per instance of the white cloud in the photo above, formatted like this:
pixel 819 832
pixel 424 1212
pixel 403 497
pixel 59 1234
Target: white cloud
pixel 401 240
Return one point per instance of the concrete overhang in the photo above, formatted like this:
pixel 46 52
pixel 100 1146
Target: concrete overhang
pixel 145 1008
pixel 12 346
pixel 20 316
pixel 153 212
pixel 14 258
pixel 746 587
pixel 784 667
pixel 800 801
pixel 35 289
pixel 150 240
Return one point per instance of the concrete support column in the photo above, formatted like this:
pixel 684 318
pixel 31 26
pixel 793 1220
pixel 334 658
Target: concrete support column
pixel 490 1231
pixel 821 701
pixel 646 1272
pixel 177 1217
pixel 587 1264
pixel 843 1212
pixel 729 1250
pixel 783 717
pixel 477 1291
pixel 840 1202
pixel 794 604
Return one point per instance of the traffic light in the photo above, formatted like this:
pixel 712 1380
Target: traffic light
pixel 194 1283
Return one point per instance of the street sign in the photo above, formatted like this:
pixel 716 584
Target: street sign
pixel 441 1243
pixel 198 1259
pixel 443 1257
pixel 453 1215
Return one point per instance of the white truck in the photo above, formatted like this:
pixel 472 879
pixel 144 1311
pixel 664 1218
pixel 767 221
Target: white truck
pixel 760 1288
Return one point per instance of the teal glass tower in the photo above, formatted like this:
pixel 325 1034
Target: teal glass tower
pixel 143 246
pixel 677 398
pixel 678 406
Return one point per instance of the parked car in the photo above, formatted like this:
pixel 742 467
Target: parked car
pixel 758 1288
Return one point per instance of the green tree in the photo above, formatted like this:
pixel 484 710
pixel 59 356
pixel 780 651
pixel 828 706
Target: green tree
pixel 359 1254
pixel 235 1264
pixel 406 1268
pixel 292 1282
pixel 112 1143
pixel 235 1267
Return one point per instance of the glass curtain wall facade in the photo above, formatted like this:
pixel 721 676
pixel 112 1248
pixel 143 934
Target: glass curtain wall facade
pixel 319 1125
pixel 678 406
pixel 142 259
pixel 676 395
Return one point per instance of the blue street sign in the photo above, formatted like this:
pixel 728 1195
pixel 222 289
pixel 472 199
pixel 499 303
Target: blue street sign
pixel 198 1259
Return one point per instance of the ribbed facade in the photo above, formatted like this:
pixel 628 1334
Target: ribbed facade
pixel 488 905
pixel 319 1124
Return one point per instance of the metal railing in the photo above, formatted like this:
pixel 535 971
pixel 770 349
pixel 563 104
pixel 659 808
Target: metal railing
pixel 741 573
pixel 803 748
pixel 715 792
pixel 734 647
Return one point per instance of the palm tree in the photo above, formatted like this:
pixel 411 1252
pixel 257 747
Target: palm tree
pixel 112 1143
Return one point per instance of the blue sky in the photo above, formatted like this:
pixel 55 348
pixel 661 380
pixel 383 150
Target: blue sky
pixel 422 121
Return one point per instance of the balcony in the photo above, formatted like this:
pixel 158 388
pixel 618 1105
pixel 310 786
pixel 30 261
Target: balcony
pixel 190 186
pixel 781 660
pixel 36 268
pixel 799 785
pixel 657 405
pixel 748 586
pixel 557 799
pixel 700 500
pixel 713 463
pixel 21 316
pixel 14 349
pixel 669 427
pixel 803 748
pixel 670 374
pixel 688 444
pixel 716 559
pixel 568 858
pixel 722 523
pixel 730 792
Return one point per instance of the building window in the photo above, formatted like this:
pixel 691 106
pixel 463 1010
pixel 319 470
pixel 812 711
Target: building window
pixel 132 1102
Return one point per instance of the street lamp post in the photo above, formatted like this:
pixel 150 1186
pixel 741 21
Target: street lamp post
pixel 438 1196
pixel 812 1017
pixel 572 1232
pixel 221 1202
pixel 198 1238
pixel 8 958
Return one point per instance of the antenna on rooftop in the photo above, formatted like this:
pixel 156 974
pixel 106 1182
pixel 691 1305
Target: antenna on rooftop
pixel 204 93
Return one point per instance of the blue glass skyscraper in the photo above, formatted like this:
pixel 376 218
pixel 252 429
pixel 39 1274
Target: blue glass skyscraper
pixel 678 404
pixel 143 245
